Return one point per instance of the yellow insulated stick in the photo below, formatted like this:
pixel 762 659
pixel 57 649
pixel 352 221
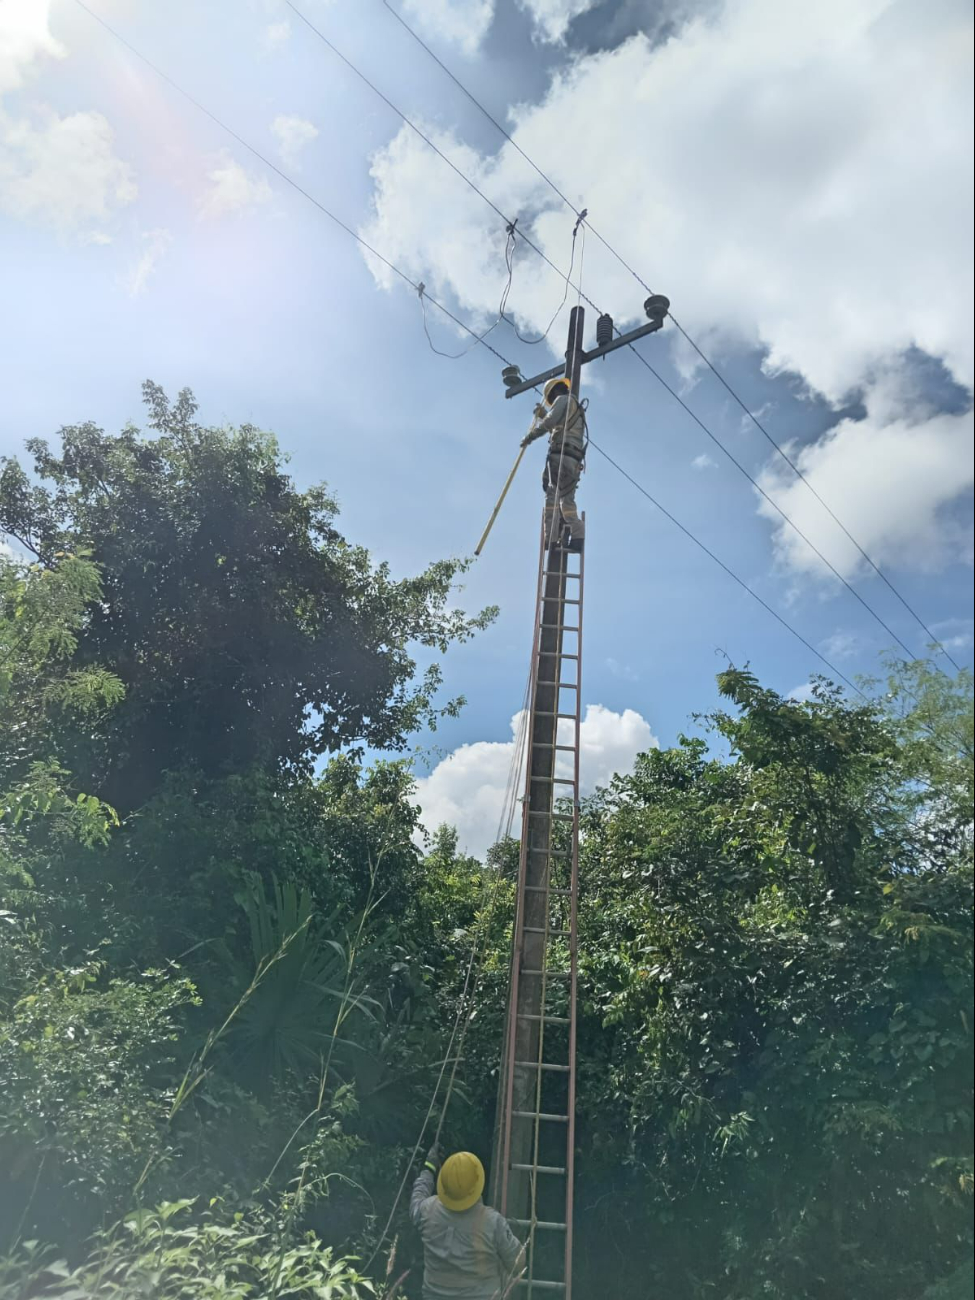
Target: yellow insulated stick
pixel 504 493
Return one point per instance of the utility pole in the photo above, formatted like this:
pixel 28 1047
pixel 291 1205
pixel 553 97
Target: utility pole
pixel 532 1168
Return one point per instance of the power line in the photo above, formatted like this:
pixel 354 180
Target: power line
pixel 775 506
pixel 466 328
pixel 825 504
pixel 511 227
pixel 509 224
pixel 730 572
pixel 286 178
pixel 706 359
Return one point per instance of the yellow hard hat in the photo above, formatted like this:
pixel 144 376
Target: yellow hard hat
pixel 461 1181
pixel 551 386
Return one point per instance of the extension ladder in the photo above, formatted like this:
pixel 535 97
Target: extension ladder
pixel 537 1096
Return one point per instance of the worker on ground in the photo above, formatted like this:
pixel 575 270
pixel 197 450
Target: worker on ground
pixel 469 1252
pixel 564 420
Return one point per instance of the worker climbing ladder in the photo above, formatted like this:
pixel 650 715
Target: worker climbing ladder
pixel 535 1127
pixel 537 1123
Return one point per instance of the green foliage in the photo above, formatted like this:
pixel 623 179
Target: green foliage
pixel 231 1000
pixel 775 1035
pixel 88 1058
pixel 245 629
pixel 164 1254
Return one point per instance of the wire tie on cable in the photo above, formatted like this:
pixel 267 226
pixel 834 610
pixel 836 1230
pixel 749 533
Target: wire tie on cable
pixel 579 220
pixel 420 289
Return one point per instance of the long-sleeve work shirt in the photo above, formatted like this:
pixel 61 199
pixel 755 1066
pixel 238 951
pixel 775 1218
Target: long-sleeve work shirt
pixel 565 418
pixel 467 1254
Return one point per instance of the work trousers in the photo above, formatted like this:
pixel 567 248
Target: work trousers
pixel 560 478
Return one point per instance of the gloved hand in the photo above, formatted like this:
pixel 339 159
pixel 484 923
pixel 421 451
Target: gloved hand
pixel 525 440
pixel 434 1157
pixel 540 411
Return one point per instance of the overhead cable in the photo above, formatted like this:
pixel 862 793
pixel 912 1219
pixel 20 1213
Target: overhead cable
pixel 466 328
pixel 730 572
pixel 704 358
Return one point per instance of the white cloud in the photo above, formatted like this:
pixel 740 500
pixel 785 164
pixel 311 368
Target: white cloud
pixel 293 134
pixel 24 38
pixel 463 23
pixel 839 645
pixel 798 200
pixel 892 476
pixel 277 34
pixel 801 694
pixel 830 227
pixel 155 244
pixel 232 189
pixel 703 461
pixel 63 171
pixel 467 788
pixel 552 17
pixel 954 633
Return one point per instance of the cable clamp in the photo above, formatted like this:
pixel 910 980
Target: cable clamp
pixel 579 220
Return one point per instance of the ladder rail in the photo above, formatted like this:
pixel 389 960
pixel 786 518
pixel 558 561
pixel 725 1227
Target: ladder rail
pixel 574 957
pixel 516 938
pixel 540 938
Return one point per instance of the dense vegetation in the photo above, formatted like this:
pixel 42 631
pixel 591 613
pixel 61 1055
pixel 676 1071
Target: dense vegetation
pixel 228 974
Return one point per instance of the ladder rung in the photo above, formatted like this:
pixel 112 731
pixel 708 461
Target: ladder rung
pixel 537 1283
pixel 552 974
pixel 569 600
pixel 545 744
pixel 558 627
pixel 555 780
pixel 556 817
pixel 544 889
pixel 544 713
pixel 555 654
pixel 539 1169
pixel 544 1065
pixel 537 1223
pixel 534 1114
pixel 548 1020
pixel 540 929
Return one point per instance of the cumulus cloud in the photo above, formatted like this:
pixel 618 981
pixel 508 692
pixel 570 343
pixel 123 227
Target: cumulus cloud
pixel 703 461
pixel 232 189
pixel 467 789
pixel 766 169
pixel 551 18
pixel 826 226
pixel 154 245
pixel 897 473
pixel 463 23
pixel 25 38
pixel 63 171
pixel 293 134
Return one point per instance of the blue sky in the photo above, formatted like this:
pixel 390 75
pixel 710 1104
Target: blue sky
pixel 798 183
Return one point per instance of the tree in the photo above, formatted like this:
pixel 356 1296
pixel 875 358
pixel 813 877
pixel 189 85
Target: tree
pixel 244 628
pixel 775 1036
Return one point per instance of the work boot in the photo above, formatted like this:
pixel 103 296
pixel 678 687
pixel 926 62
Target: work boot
pixel 575 544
